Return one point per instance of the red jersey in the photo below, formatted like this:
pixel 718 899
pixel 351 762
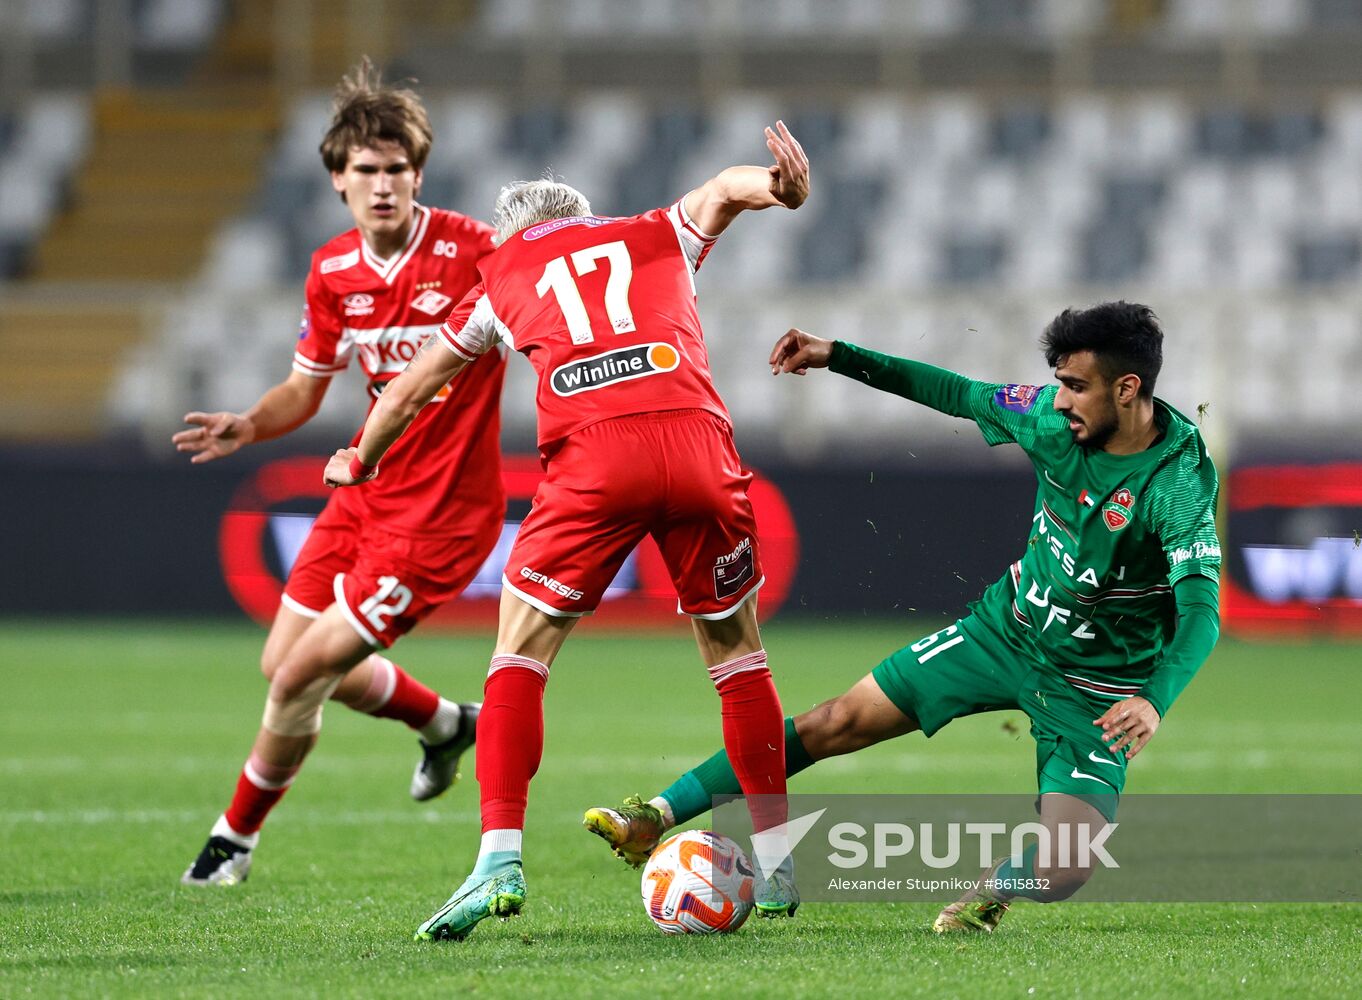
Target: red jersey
pixel 381 311
pixel 605 311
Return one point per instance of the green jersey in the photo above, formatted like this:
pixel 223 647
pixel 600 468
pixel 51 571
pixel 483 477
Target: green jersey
pixel 1110 534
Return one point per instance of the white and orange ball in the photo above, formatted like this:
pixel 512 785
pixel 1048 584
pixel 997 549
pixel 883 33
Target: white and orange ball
pixel 698 882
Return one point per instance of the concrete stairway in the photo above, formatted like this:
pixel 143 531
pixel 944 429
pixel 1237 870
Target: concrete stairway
pixel 59 356
pixel 164 170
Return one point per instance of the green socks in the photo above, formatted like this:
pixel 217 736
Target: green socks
pixel 692 794
pixel 1020 875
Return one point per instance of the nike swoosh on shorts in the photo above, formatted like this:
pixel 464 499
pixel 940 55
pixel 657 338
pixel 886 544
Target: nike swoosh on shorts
pixel 1098 760
pixel 1079 774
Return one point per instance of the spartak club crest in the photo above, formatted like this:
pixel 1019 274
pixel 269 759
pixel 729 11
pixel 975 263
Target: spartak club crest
pixel 1116 511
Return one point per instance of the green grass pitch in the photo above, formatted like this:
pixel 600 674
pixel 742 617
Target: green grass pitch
pixel 121 744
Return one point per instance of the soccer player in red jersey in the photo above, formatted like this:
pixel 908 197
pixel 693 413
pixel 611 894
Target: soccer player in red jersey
pixel 379 558
pixel 635 441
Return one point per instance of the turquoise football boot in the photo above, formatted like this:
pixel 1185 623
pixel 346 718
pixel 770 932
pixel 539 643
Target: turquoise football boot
pixel 499 894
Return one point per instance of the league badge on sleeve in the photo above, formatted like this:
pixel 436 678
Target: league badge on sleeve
pixel 1116 511
pixel 1017 398
pixel 305 324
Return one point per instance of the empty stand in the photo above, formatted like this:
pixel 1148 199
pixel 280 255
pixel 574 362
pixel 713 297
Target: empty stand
pixel 952 215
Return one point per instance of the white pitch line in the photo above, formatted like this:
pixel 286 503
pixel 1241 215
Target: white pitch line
pixel 166 817
pixel 449 814
pixel 554 761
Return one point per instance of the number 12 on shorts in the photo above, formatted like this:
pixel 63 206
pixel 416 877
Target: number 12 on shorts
pixel 558 279
pixel 390 600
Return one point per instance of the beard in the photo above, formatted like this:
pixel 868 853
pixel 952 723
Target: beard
pixel 1096 433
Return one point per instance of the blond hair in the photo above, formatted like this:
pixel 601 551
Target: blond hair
pixel 521 204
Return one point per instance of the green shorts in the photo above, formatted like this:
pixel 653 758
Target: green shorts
pixel 973 666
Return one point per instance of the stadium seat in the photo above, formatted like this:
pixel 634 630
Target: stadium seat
pixel 47 20
pixel 1333 14
pixel 1020 132
pixel 40 147
pixel 466 126
pixel 54 130
pixel 1179 21
pixel 176 24
pixel 1258 256
pixel 1328 259
pixel 248 253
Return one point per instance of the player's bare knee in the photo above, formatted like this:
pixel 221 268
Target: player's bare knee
pixel 294 706
pixel 284 685
pixel 269 663
pixel 832 728
pixel 291 679
pixel 300 664
pixel 812 729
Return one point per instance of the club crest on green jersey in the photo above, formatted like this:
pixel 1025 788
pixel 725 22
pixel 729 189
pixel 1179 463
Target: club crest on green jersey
pixel 1116 511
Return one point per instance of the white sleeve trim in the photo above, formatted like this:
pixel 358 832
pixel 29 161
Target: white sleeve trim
pixel 306 366
pixel 684 217
pixel 695 243
pixel 479 334
pixel 448 340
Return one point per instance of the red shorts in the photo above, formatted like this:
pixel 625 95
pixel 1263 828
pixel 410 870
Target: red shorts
pixel 674 475
pixel 384 583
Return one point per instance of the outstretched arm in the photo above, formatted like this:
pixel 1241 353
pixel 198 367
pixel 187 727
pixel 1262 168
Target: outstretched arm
pixel 717 202
pixel 1021 414
pixel 400 402
pixel 798 351
pixel 283 408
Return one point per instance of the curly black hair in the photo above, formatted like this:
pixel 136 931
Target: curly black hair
pixel 1125 337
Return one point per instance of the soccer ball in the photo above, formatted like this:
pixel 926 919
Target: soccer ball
pixel 698 882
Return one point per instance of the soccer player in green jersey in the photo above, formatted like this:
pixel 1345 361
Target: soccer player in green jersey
pixel 1093 632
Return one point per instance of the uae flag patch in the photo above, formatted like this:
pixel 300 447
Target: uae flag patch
pixel 1085 498
pixel 1116 511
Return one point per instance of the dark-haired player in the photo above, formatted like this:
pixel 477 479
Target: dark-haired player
pixel 381 557
pixel 1093 632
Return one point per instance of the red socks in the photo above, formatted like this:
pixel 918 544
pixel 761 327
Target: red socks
pixel 754 735
pixel 260 786
pixel 510 738
pixel 395 694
